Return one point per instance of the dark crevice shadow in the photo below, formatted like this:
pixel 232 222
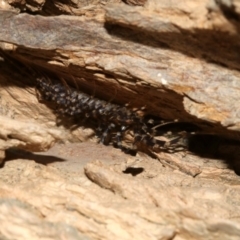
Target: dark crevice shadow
pixel 48 9
pixel 216 147
pixel 13 72
pixel 212 46
pixel 134 171
pixel 229 11
pixel 13 153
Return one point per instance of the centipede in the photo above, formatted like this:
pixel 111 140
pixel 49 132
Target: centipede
pixel 113 121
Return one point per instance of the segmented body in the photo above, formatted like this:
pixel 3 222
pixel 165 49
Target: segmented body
pixel 113 120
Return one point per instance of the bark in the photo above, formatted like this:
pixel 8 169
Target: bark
pixel 171 84
pixel 178 59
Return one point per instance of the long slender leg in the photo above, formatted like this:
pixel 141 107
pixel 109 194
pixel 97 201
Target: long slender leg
pixel 106 136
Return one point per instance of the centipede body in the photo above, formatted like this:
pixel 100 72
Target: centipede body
pixel 113 121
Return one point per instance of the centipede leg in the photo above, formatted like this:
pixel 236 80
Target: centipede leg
pixel 106 136
pixel 119 137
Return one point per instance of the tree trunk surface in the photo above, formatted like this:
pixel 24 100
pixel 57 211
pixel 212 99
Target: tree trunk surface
pixel 171 59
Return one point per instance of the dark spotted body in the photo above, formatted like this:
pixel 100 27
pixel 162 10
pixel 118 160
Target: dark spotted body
pixel 113 121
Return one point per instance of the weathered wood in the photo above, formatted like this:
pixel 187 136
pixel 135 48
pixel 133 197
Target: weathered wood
pixel 157 204
pixel 28 136
pixel 167 56
pixel 171 84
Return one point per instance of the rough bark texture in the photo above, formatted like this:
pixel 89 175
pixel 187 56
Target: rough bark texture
pixel 27 136
pixel 179 59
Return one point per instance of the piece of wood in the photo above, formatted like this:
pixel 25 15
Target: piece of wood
pixel 167 56
pixel 133 67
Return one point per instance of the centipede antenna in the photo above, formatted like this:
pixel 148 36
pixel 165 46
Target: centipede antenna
pixel 94 89
pixel 75 81
pixel 162 124
pixel 113 97
pixel 65 83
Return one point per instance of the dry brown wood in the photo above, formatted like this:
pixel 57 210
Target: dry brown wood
pixel 177 58
pixel 171 85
